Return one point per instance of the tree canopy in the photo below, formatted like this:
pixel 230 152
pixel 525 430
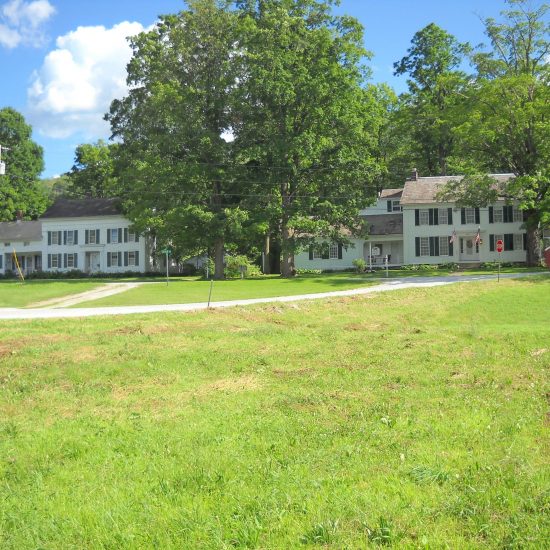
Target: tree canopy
pixel 19 187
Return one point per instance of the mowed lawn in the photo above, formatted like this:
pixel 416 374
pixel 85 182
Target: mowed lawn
pixel 192 290
pixel 416 418
pixel 17 294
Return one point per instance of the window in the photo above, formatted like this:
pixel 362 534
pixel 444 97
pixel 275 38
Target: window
pixel 54 238
pixel 71 259
pixel 92 237
pixel 333 251
pixel 6 244
pixel 396 206
pixel 470 215
pixel 517 214
pixel 424 217
pixel 70 238
pixel 131 237
pixel 497 214
pixel 26 243
pixel 518 241
pixel 424 246
pixel 443 246
pixel 132 259
pixel 114 236
pixel 317 254
pixel 113 259
pixel 54 261
pixel 443 216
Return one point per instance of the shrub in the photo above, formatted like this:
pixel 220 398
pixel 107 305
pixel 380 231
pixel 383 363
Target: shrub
pixel 233 265
pixel 304 271
pixel 360 265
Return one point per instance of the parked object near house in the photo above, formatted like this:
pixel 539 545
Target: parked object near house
pixel 410 225
pixel 90 235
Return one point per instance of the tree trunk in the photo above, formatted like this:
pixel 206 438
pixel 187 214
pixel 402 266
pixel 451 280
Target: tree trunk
pixel 287 253
pixel 534 252
pixel 267 258
pixel 218 259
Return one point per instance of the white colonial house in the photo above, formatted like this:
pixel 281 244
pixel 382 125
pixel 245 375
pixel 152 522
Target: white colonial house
pixel 90 235
pixel 410 225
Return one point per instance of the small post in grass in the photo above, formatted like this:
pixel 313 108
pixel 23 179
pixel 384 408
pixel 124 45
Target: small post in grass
pixel 167 251
pixel 210 292
pixel 386 263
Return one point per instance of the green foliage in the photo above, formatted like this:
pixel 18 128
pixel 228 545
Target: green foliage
pixel 360 265
pixel 304 271
pixel 93 173
pixel 235 264
pixel 19 187
pixel 382 533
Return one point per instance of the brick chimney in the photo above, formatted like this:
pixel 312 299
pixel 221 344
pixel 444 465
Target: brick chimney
pixel 414 175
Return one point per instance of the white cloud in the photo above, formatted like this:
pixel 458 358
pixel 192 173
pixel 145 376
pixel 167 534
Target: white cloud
pixel 23 21
pixel 78 80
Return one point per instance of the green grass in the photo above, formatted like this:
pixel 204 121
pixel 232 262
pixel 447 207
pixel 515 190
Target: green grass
pixel 414 419
pixel 17 294
pixel 193 290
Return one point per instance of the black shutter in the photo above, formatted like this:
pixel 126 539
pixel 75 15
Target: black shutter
pixel 491 214
pixel 119 234
pixel 126 259
pixel 450 216
pixel 416 216
pixel 119 259
pixel 525 216
pixel 431 216
pixel 59 260
pixel 339 251
pixel 65 260
pixel 463 216
pixel 436 241
pixel 49 238
pixel 125 234
pixel 108 259
pixel 75 256
pixel 311 252
pixel 525 241
pixel 389 206
pixel 436 216
pixel 137 258
pixel 509 241
pixel 477 215
pixel 49 260
pixel 86 236
pixel 491 243
pixel 324 253
pixel 432 246
pixel 64 237
pixel 75 238
pixel 97 236
pixel 136 237
pixel 451 249
pixel 417 245
pixel 108 236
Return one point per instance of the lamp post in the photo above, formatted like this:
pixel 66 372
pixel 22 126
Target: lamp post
pixel 2 164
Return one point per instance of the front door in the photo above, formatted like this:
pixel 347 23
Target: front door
pixel 469 249
pixel 92 262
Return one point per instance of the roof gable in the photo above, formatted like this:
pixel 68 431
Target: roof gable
pixel 82 208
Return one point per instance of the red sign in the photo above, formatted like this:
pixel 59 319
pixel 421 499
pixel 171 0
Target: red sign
pixel 500 245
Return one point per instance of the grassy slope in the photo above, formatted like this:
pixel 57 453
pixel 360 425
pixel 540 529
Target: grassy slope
pixel 16 294
pixel 192 290
pixel 416 418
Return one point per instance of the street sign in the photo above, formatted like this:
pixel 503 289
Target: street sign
pixel 166 251
pixel 500 246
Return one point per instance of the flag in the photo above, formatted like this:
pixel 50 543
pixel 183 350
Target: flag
pixel 453 237
pixel 477 240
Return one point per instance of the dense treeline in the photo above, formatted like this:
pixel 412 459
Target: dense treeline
pixel 251 125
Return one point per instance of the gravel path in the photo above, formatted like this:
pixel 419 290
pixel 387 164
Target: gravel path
pixel 385 286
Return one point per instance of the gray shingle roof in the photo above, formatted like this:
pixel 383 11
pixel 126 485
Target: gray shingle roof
pixel 20 231
pixel 385 224
pixel 424 190
pixel 76 208
pixel 391 193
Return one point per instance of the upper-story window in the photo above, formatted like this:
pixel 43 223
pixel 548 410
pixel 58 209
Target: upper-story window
pixel 114 234
pixel 396 206
pixel 131 237
pixel 424 217
pixel 470 215
pixel 443 215
pixel 55 237
pixel 497 215
pixel 517 214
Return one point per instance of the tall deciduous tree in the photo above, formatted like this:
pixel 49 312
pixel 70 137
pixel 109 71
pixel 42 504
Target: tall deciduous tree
pixel 19 187
pixel 93 173
pixel 508 124
pixel 436 85
pixel 174 126
pixel 304 130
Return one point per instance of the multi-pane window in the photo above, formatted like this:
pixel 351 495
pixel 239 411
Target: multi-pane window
pixel 333 251
pixel 92 237
pixel 114 257
pixel 132 259
pixel 114 236
pixel 499 238
pixel 443 216
pixel 55 259
pixel 317 254
pixel 443 246
pixel 396 206
pixel 424 246
pixel 70 237
pixel 518 241
pixel 71 258
pixel 517 214
pixel 497 215
pixel 131 237
pixel 55 237
pixel 470 214
pixel 424 217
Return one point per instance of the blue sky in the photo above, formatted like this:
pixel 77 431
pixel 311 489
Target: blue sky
pixel 62 61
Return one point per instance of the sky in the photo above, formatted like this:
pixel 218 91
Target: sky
pixel 62 62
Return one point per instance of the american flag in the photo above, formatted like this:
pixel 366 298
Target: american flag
pixel 477 240
pixel 453 237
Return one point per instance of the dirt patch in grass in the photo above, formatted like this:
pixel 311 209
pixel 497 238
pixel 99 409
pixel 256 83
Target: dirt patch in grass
pixel 229 385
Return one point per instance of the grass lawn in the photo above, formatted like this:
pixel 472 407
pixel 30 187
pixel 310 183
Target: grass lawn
pixel 417 419
pixel 16 294
pixel 192 290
